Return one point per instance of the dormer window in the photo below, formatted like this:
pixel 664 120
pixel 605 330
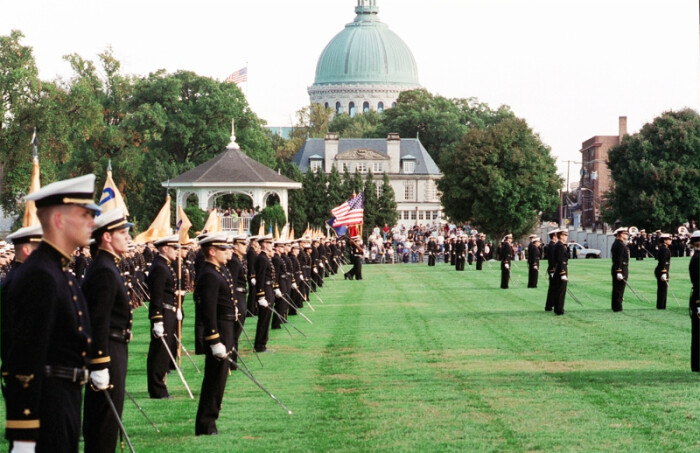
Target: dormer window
pixel 315 162
pixel 409 164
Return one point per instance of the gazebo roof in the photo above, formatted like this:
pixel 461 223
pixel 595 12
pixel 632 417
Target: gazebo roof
pixel 232 168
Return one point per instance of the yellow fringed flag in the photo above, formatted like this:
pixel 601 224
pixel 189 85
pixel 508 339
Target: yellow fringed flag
pixel 160 226
pixel 30 218
pixel 213 224
pixel 111 197
pixel 182 226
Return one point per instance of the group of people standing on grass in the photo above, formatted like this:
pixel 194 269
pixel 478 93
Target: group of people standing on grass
pixel 60 333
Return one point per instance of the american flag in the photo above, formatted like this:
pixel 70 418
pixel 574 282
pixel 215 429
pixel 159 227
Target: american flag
pixel 350 212
pixel 239 76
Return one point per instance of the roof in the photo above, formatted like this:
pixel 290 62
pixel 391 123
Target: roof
pixel 410 148
pixel 366 52
pixel 231 166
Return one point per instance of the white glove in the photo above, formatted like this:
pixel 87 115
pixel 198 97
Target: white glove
pixel 664 277
pixel 534 267
pixel 100 379
pixel 179 314
pixel 23 446
pixel 507 266
pixel 218 350
pixel 321 265
pixel 315 271
pixel 564 278
pixel 294 286
pixel 158 329
pixel 301 277
pixel 278 293
pixel 263 303
pixel 620 277
pixel 252 282
pixel 699 312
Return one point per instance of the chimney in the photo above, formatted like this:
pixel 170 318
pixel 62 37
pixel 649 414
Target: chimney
pixel 331 151
pixel 623 127
pixel 393 150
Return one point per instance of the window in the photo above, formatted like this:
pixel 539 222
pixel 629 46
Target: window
pixel 420 215
pixel 379 190
pixel 377 167
pixel 325 105
pixel 413 215
pixel 362 167
pixel 408 194
pixel 346 166
pixel 380 107
pixel 314 165
pixel 351 109
pixel 393 104
pixel 365 107
pixel 430 190
pixel 338 108
pixel 409 166
pixel 436 215
pixel 405 215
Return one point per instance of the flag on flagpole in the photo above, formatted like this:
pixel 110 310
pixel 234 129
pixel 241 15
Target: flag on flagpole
pixel 339 230
pixel 239 76
pixel 212 225
pixel 160 226
pixel 182 225
pixel 30 218
pixel 350 212
pixel 111 197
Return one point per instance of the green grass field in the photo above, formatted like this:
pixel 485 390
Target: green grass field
pixel 414 358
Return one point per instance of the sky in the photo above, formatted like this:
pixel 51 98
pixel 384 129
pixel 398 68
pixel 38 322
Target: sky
pixel 570 68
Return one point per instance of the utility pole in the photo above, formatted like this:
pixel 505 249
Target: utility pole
pixel 568 169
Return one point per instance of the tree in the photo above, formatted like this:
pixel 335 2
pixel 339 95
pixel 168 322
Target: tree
pixel 656 174
pixel 499 178
pixel 335 188
pixel 297 202
pixel 364 125
pixel 272 216
pixel 437 121
pixel 386 212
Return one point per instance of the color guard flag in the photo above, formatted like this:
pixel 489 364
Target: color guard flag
pixel 111 197
pixel 182 226
pixel 212 225
pixel 160 226
pixel 339 230
pixel 239 76
pixel 349 213
pixel 30 218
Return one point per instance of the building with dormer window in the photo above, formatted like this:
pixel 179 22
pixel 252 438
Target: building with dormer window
pixel 412 172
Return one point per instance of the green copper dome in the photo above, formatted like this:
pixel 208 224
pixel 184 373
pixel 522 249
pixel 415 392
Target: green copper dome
pixel 366 52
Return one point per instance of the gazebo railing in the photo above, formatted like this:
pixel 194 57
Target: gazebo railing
pixel 231 223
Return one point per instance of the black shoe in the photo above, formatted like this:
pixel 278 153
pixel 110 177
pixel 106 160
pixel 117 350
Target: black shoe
pixel 346 276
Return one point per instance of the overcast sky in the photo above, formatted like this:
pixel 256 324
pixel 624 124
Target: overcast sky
pixel 568 67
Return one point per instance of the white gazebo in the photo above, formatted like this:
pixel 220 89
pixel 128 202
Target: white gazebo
pixel 232 172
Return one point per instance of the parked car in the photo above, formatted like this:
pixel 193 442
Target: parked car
pixel 582 252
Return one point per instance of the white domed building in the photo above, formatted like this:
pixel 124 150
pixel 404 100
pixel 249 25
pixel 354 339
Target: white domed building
pixel 364 67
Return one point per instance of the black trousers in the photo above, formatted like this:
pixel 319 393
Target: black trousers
pixel 549 303
pixel 213 384
pixel 158 361
pixel 459 263
pixel 505 276
pixel 252 305
pixel 618 292
pixel 60 416
pixel 532 276
pixel 281 305
pixel 661 293
pixel 694 337
pixel 431 259
pixel 238 325
pixel 479 263
pixel 356 270
pixel 264 315
pixel 100 427
pixel 559 294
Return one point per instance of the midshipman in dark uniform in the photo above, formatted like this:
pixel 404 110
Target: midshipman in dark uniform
pixel 46 363
pixel 264 292
pixel 549 256
pixel 162 312
pixel 663 255
pixel 694 302
pixel 110 318
pixel 560 277
pixel 480 248
pixel 533 262
pixel 620 261
pixel 505 254
pixel 238 268
pixel 218 313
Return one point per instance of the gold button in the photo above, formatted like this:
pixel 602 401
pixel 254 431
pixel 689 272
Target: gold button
pixel 80 328
pixel 70 283
pixel 89 340
pixel 80 313
pixel 75 297
pixel 83 354
pixel 99 352
pixel 26 412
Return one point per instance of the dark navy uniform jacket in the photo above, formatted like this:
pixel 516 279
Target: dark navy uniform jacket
pixel 51 327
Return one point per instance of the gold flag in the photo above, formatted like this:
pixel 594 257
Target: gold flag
pixel 111 197
pixel 160 226
pixel 30 218
pixel 182 225
pixel 213 224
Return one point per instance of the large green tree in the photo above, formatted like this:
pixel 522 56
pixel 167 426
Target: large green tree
pixel 386 213
pixel 656 174
pixel 371 204
pixel 499 177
